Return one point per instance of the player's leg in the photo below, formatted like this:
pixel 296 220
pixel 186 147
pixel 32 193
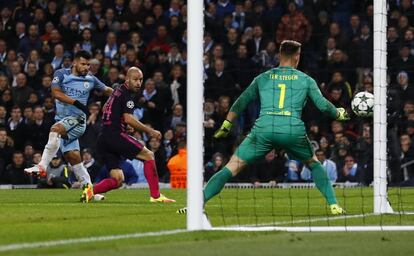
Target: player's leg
pixel 300 148
pixel 56 132
pixel 115 180
pixel 324 185
pixel 150 172
pixel 254 146
pixel 218 180
pixel 73 157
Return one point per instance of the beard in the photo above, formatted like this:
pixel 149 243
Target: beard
pixel 81 72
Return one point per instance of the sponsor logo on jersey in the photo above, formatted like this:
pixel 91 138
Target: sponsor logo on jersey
pixel 130 104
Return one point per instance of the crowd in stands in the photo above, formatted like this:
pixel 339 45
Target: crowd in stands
pixel 241 40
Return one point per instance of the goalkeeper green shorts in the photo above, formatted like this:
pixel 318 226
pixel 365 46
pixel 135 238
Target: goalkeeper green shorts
pixel 258 144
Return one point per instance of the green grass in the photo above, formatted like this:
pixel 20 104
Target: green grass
pixel 44 215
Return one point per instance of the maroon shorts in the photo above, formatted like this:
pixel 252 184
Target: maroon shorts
pixel 113 148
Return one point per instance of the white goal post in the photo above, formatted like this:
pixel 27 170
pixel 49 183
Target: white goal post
pixel 381 204
pixel 195 217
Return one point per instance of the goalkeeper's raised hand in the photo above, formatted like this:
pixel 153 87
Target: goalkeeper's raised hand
pixel 342 115
pixel 224 130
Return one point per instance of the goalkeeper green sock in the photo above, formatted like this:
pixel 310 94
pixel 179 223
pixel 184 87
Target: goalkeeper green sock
pixel 216 183
pixel 322 182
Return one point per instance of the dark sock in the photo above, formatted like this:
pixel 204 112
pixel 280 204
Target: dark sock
pixel 322 182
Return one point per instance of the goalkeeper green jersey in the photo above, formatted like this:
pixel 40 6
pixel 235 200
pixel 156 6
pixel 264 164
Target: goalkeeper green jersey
pixel 283 93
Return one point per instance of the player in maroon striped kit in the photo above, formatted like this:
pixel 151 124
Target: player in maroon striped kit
pixel 114 143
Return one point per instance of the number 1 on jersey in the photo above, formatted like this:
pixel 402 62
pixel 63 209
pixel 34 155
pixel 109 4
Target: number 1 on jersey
pixel 282 95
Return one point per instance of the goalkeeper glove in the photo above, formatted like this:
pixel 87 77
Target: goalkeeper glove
pixel 341 114
pixel 224 130
pixel 81 107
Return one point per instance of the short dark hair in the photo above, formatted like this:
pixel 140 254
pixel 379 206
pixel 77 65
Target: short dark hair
pixel 289 47
pixel 17 152
pixel 83 54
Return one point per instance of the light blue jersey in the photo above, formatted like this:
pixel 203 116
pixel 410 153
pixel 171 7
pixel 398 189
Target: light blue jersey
pixel 69 116
pixel 76 87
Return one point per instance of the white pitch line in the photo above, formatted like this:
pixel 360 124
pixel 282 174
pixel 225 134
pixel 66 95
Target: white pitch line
pixel 12 247
pixel 261 227
pixel 310 220
pixel 319 229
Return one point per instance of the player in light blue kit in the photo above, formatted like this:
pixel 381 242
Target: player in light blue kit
pixel 71 88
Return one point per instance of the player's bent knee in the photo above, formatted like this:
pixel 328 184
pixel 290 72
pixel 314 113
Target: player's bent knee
pixel 146 155
pixel 118 175
pixel 58 128
pixel 235 165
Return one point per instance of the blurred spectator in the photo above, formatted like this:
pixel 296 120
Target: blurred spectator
pixel 7 100
pixel 219 82
pixel 39 129
pixel 293 170
pixel 177 165
pixel 267 58
pixel 57 175
pixel 404 62
pixel 6 148
pixel 15 171
pixel 93 127
pixel 111 47
pixel 329 165
pixel 3 116
pixel 406 90
pixel 90 164
pixel 214 165
pixel 224 7
pixel 407 155
pixel 16 128
pixel 161 42
pixel 178 86
pixel 350 171
pixel 176 117
pixel 270 169
pixel 293 25
pixel 154 103
pixel 242 68
pixel 161 159
pixel 258 42
pixel 21 92
pixel 30 41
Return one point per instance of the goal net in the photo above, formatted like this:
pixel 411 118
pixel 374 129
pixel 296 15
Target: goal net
pixel 372 176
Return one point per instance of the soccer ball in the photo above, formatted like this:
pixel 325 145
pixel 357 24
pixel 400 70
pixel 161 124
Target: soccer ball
pixel 363 104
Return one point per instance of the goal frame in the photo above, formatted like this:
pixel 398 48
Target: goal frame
pixel 196 219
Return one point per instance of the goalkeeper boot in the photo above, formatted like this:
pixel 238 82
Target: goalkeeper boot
pixel 36 170
pixel 87 193
pixel 161 199
pixel 336 209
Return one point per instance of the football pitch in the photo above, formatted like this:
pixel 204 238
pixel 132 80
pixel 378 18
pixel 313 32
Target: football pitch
pixel 53 222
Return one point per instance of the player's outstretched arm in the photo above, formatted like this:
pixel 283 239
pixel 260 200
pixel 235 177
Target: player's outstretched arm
pixel 249 95
pixel 323 104
pixel 136 124
pixel 62 97
pixel 108 91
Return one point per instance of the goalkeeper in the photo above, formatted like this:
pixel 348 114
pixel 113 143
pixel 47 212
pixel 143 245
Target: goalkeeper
pixel 283 92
